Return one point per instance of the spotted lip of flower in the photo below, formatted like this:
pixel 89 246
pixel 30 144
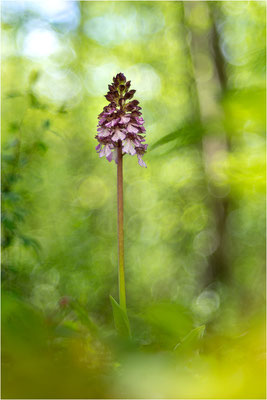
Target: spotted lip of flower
pixel 121 123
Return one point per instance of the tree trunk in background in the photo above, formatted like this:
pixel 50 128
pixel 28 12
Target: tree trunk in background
pixel 218 259
pixel 212 145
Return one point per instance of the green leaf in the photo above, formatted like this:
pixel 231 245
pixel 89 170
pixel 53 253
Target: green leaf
pixel 66 330
pixel 46 124
pixel 34 76
pixel 29 242
pixel 83 316
pixel 120 319
pixel 8 158
pixel 13 94
pixel 191 341
pixel 169 320
pixel 185 135
pixel 62 109
pixel 34 102
pixel 11 197
pixel 41 146
pixel 13 127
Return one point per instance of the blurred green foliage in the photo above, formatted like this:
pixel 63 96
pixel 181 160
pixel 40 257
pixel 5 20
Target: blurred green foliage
pixel 194 219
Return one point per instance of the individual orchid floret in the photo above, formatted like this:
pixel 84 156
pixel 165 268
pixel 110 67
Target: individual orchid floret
pixel 120 123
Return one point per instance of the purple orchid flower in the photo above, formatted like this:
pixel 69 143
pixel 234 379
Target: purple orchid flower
pixel 121 123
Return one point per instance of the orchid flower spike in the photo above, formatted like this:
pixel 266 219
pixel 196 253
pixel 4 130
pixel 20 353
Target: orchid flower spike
pixel 121 123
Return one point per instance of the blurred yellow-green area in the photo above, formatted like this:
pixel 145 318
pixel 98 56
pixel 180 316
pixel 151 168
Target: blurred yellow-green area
pixel 194 219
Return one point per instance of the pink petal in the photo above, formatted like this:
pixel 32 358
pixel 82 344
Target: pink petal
pixel 142 129
pixel 139 120
pixel 113 122
pixel 104 132
pixel 128 147
pixel 102 152
pixel 118 135
pixel 107 150
pixel 110 157
pixel 141 161
pixel 98 148
pixel 132 129
pixel 102 120
pixel 124 120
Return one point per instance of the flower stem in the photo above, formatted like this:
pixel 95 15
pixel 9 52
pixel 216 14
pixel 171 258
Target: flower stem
pixel 122 293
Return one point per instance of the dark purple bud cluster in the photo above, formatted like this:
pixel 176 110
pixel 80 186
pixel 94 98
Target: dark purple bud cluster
pixel 121 123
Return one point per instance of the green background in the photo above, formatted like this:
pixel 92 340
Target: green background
pixel 194 219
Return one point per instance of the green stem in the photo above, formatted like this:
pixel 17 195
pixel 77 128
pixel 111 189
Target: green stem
pixel 122 293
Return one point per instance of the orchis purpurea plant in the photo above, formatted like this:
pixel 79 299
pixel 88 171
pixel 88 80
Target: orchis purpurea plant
pixel 120 132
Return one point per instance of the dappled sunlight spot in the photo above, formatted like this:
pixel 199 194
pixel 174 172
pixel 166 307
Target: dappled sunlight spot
pixel 245 172
pixel 145 261
pixel 148 268
pixel 45 296
pixel 141 195
pixel 107 223
pixel 113 29
pixel 61 12
pixel 239 226
pixel 44 293
pixel 60 86
pixel 80 286
pixel 206 304
pixel 177 97
pixel 169 223
pixel 253 140
pixel 98 77
pixel 65 56
pixel 58 11
pixel 251 278
pixel 233 8
pixel 9 10
pixel 194 217
pixel 185 289
pixel 180 170
pixel 101 260
pixel 205 243
pixel 93 192
pixel 154 113
pixel 40 43
pixel 146 80
pixel 150 232
pixel 131 173
pixel 133 224
pixel 245 110
pixel 171 172
pixel 236 55
pixel 242 38
pixel 52 276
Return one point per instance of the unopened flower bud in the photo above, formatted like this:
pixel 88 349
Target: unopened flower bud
pixel 129 95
